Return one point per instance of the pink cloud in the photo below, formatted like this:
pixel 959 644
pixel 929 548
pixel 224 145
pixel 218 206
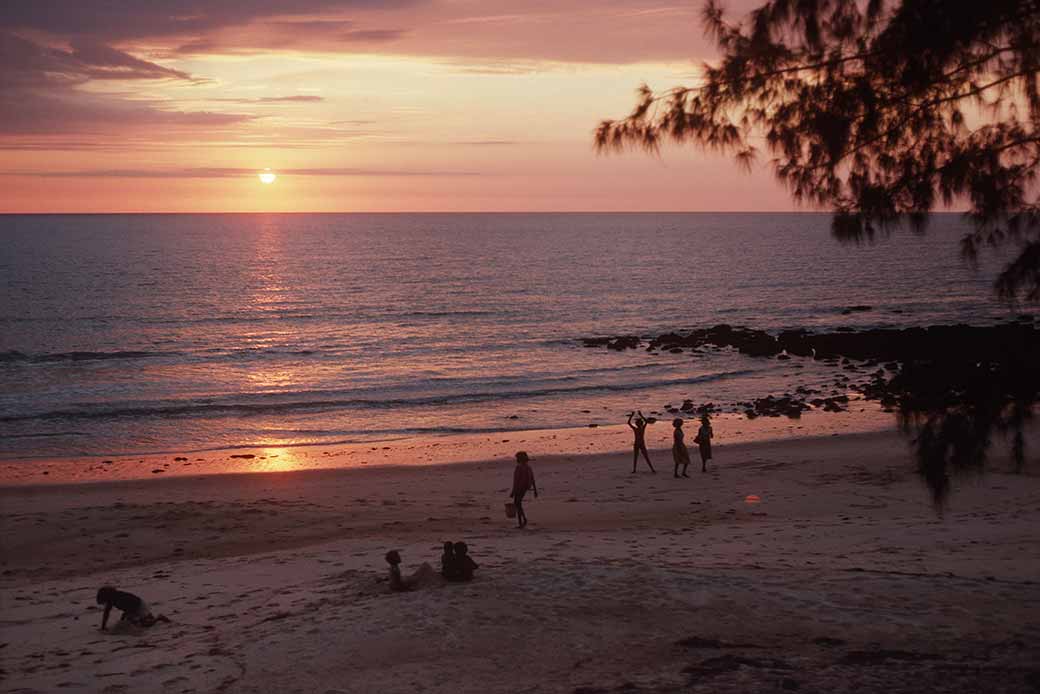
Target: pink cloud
pixel 71 112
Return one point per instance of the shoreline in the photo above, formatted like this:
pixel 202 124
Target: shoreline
pixel 731 429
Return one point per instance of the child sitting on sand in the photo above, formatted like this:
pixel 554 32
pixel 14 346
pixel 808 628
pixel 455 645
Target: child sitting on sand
pixel 424 575
pixel 464 565
pixel 135 610
pixel 448 563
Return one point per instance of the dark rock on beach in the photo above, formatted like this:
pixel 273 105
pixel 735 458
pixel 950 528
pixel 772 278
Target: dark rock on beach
pixel 980 374
pixel 787 406
pixel 879 345
pixel 751 342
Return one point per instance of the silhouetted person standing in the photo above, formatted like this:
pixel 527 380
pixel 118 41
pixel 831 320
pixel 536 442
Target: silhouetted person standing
pixel 639 444
pixel 680 454
pixel 703 441
pixel 523 479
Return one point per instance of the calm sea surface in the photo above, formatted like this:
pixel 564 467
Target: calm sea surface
pixel 154 333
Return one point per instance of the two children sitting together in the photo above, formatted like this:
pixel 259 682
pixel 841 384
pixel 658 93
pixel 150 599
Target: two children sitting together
pixel 456 566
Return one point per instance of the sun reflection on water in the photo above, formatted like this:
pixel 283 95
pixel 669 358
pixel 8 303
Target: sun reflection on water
pixel 278 459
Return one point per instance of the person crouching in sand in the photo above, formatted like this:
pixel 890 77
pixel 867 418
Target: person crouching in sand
pixel 680 453
pixel 639 443
pixel 424 575
pixel 523 479
pixel 703 441
pixel 135 610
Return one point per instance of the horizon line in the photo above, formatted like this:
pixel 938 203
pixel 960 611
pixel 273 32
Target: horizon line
pixel 445 212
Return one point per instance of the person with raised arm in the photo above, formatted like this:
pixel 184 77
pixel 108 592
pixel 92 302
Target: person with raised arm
pixel 639 442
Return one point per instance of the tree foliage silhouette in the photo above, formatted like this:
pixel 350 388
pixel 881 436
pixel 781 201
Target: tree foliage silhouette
pixel 882 111
pixel 878 110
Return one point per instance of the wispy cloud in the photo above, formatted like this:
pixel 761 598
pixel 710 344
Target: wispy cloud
pixel 28 64
pixel 70 112
pixel 39 90
pixel 121 20
pixel 296 98
pixel 488 143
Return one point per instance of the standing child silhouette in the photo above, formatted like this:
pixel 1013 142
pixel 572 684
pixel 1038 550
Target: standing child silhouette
pixel 639 442
pixel 523 479
pixel 680 453
pixel 703 441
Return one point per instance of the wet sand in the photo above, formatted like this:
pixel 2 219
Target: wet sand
pixel 815 565
pixel 413 451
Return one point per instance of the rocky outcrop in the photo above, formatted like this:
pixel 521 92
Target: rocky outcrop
pixel 916 369
pixel 894 345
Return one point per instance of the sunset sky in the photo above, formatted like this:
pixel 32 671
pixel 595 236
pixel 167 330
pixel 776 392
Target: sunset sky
pixel 395 105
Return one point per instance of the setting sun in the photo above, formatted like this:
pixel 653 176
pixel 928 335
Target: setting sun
pixel 267 176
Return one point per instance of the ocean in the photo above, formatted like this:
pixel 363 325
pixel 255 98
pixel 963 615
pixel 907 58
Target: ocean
pixel 160 333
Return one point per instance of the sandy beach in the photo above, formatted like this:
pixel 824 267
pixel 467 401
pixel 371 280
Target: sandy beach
pixel 813 564
pixel 292 291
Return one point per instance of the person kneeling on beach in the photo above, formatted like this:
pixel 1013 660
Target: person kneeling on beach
pixel 423 575
pixel 523 479
pixel 135 610
pixel 462 565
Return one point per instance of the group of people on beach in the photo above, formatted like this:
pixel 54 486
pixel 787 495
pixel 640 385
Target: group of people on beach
pixel 456 564
pixel 638 423
pixel 523 475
